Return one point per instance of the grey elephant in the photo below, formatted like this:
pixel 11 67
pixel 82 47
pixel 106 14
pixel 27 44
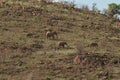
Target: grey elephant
pixel 62 44
pixel 51 34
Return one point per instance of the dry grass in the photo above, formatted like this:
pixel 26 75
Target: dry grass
pixel 25 53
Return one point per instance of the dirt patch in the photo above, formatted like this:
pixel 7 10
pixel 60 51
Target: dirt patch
pixel 96 60
pixel 4 50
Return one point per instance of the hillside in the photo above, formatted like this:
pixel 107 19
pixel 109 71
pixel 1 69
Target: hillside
pixel 26 53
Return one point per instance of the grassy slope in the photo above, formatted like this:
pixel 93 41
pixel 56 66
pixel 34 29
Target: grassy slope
pixel 23 42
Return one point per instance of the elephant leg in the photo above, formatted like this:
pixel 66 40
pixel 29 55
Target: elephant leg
pixel 63 45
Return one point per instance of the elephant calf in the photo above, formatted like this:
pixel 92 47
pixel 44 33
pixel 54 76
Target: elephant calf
pixel 94 45
pixel 62 44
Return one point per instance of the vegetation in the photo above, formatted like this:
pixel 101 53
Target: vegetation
pixel 26 53
pixel 113 9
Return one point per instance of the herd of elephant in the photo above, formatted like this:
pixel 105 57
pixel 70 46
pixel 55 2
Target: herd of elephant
pixel 50 34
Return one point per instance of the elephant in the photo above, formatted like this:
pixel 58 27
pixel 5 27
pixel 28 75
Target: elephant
pixel 51 34
pixel 94 45
pixel 62 44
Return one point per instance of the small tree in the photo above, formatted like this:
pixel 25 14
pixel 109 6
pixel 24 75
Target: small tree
pixel 118 8
pixel 94 8
pixel 112 9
